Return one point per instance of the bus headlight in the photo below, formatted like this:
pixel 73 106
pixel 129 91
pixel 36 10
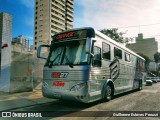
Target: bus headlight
pixel 78 87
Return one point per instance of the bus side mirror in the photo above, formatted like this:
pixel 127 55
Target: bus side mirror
pixel 89 45
pixel 42 51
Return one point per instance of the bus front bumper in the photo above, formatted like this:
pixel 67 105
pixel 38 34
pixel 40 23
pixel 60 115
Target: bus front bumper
pixel 66 95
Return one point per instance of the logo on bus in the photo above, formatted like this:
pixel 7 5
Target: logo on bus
pixel 65 35
pixel 114 69
pixel 58 83
pixel 59 74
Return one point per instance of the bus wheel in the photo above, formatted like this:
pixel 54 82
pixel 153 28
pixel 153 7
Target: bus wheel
pixel 108 93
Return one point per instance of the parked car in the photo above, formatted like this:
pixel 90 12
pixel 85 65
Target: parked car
pixel 154 80
pixel 158 80
pixel 149 82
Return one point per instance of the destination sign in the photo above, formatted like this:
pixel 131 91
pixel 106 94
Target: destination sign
pixel 73 34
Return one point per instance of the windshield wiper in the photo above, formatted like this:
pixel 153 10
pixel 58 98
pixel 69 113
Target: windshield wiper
pixel 69 63
pixel 53 61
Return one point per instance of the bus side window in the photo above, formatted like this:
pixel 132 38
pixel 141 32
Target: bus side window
pixel 106 51
pixel 117 53
pixel 127 57
pixel 97 56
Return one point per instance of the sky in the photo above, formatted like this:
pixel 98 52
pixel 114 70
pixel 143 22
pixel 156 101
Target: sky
pixel 130 16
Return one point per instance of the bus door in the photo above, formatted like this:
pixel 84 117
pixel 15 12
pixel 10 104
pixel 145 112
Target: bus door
pixel 95 85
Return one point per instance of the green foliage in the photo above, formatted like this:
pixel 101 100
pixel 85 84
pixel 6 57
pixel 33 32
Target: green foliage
pixel 115 35
pixel 147 60
pixel 157 57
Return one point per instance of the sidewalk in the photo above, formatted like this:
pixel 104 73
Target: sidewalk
pixel 19 100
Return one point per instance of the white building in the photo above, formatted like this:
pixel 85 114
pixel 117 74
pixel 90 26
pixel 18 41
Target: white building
pixel 23 43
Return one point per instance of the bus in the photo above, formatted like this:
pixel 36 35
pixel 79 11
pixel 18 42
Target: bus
pixel 85 65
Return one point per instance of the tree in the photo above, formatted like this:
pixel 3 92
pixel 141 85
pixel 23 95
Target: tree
pixel 115 35
pixel 157 57
pixel 147 60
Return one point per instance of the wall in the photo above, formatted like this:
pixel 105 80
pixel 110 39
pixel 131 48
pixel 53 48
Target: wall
pixel 5 68
pixel 21 71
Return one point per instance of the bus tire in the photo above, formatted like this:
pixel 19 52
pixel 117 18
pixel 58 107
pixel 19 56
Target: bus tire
pixel 108 93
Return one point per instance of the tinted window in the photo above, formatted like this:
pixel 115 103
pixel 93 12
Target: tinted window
pixel 127 57
pixel 117 53
pixel 106 51
pixel 97 57
pixel 97 53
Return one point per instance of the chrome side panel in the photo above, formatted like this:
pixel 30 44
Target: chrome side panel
pixel 76 75
pixel 94 78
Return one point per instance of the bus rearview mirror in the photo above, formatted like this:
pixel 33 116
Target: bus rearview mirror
pixel 42 51
pixel 88 46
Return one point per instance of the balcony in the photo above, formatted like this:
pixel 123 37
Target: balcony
pixel 58 21
pixel 58 11
pixel 58 16
pixel 55 30
pixel 58 26
pixel 69 9
pixel 58 1
pixel 69 23
pixel 58 6
pixel 69 5
pixel 68 13
pixel 70 1
pixel 69 19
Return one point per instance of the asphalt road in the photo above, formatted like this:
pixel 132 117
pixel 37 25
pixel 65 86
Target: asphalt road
pixel 148 99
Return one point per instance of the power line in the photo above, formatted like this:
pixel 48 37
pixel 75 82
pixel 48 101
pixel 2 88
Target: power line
pixel 139 25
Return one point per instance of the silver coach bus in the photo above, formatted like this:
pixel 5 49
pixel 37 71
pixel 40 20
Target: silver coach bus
pixel 86 65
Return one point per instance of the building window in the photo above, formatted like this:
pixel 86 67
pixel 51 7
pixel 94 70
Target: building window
pixel 106 51
pixel 117 53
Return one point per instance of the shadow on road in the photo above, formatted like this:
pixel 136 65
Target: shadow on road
pixel 58 108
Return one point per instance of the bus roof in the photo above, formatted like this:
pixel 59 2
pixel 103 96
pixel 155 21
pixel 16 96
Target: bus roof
pixel 91 32
pixel 116 43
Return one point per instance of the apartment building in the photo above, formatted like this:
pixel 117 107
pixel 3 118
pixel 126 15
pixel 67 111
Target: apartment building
pixel 22 41
pixel 51 16
pixel 146 46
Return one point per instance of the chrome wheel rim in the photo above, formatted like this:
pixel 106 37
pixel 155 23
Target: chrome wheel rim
pixel 108 92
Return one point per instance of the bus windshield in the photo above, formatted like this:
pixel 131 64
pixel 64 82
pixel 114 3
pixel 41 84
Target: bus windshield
pixel 68 53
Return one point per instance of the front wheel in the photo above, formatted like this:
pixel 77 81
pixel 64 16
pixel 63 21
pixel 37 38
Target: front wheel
pixel 108 93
